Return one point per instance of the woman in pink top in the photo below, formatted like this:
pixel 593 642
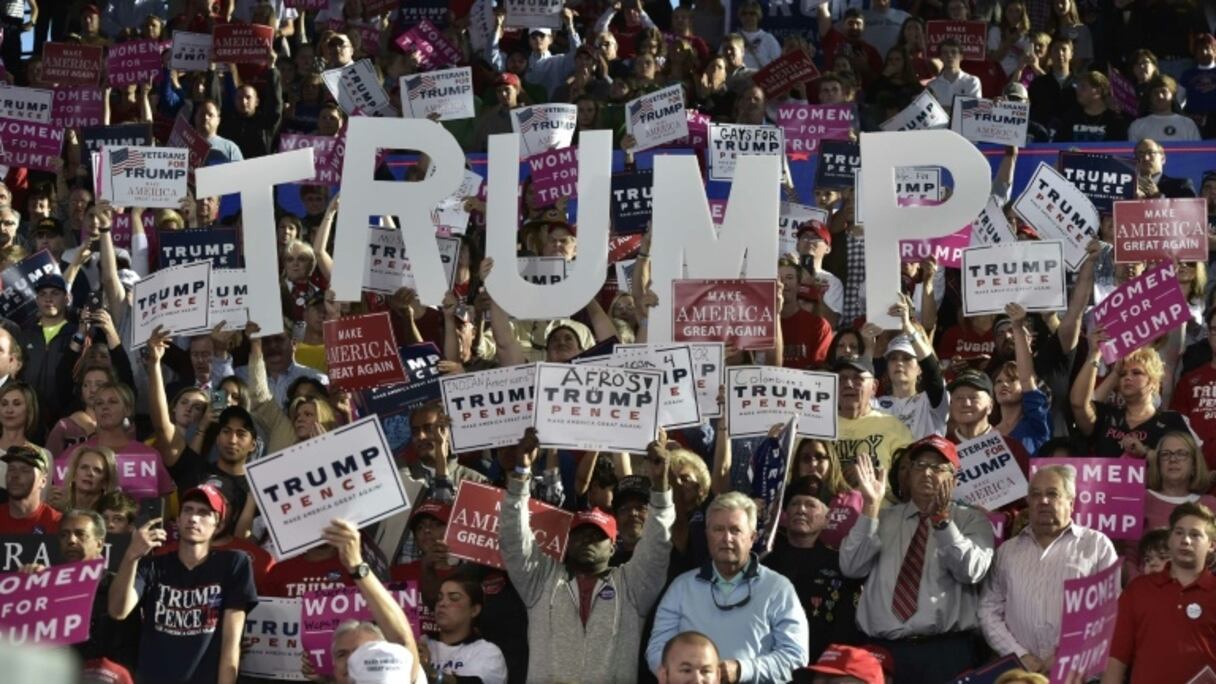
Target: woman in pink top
pixel 1177 474
pixel 80 425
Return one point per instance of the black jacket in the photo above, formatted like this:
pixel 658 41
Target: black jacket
pixel 40 367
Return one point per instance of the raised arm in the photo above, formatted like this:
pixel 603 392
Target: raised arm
pixel 169 440
pixel 720 481
pixel 1069 332
pixel 320 240
pixel 510 353
pixel 1082 395
pixel 527 566
pixel 1021 346
pixel 124 594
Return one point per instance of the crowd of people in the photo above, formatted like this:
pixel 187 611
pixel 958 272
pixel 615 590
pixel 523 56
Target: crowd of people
pixel 877 572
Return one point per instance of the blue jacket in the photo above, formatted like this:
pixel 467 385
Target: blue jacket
pixel 767 633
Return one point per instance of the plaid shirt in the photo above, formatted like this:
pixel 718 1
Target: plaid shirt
pixel 855 279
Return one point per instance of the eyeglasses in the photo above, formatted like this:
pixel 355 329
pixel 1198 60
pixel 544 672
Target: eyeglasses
pixel 1174 455
pixel 934 468
pixel 713 592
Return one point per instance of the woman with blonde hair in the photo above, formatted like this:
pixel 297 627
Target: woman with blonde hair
pixel 92 473
pixel 1009 40
pixel 690 483
pixel 1177 474
pixel 1116 430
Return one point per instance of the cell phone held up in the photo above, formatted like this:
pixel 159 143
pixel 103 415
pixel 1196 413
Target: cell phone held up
pixel 219 400
pixel 93 302
pixel 149 510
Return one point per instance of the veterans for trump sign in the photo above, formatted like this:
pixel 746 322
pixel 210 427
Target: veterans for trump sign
pixel 361 352
pixel 1140 311
pixel 72 64
pixel 758 397
pixel 544 127
pixel 490 408
pixel 1110 493
pixel 1148 230
pixel 53 606
pixel 473 529
pixel 989 476
pixel 348 473
pixel 1001 122
pixel 177 298
pixel 741 313
pixel 657 118
pixel 728 141
pixel 922 113
pixel 145 176
pixel 1030 273
pixel 596 408
pixel 444 95
pixel 1058 211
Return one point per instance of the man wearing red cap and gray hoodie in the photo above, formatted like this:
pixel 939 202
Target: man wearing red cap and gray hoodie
pixel 194 601
pixel 924 560
pixel 585 618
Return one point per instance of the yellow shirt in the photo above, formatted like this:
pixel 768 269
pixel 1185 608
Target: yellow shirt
pixel 874 434
pixel 312 355
pixel 50 331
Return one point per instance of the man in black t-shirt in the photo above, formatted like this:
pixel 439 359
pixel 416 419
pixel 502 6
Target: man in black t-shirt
pixel 194 601
pixel 236 442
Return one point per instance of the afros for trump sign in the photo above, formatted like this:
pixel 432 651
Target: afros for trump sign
pixel 348 473
pixel 596 408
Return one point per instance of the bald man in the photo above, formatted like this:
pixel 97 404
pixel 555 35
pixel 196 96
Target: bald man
pixel 689 658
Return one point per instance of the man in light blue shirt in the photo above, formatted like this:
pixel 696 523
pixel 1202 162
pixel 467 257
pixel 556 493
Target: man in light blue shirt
pixel 545 69
pixel 750 612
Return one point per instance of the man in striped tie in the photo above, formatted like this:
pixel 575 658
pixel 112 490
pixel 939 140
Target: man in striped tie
pixel 924 561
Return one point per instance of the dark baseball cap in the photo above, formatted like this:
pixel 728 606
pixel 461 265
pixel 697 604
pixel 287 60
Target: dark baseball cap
pixel 972 378
pixel 630 487
pixel 859 364
pixel 50 224
pixel 51 280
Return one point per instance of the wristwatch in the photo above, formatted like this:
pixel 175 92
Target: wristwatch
pixel 939 521
pixel 360 571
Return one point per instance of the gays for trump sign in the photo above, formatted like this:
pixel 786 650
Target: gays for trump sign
pixel 758 397
pixel 1148 230
pixel 1002 122
pixel 741 313
pixel 361 352
pixel 51 607
pixel 473 529
pixel 596 408
pixel 1030 273
pixel 1087 624
pixel 145 176
pixel 990 476
pixel 1110 494
pixel 1058 211
pixel 657 118
pixel 348 473
pixel 445 95
pixel 1140 311
pixel 72 64
pixel 177 298
pixel 490 408
pixel 728 141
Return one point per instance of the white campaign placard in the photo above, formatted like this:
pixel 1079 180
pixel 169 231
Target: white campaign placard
pixel 26 104
pixel 389 267
pixel 728 141
pixel 543 270
pixel 793 216
pixel 544 127
pixel 450 213
pixel 1058 211
pixel 924 113
pixel 596 408
pixel 271 644
pixel 657 118
pixel 145 176
pixel 534 13
pixel 678 406
pixel 991 227
pixel 490 408
pixel 447 93
pixel 190 51
pixel 1001 122
pixel 989 476
pixel 709 372
pixel 346 473
pixel 357 89
pixel 759 397
pixel 1028 272
pixel 229 291
pixel 178 298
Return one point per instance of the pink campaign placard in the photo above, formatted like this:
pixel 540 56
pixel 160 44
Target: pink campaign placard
pixel 75 107
pixel 324 610
pixel 433 48
pixel 806 124
pixel 1140 311
pixel 327 153
pixel 138 472
pixel 1087 625
pixel 30 144
pixel 698 131
pixel 1110 494
pixel 134 62
pixel 947 250
pixel 51 607
pixel 554 174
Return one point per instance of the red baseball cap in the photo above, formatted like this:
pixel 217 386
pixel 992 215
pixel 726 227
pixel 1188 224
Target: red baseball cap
pixel 209 495
pixel 600 519
pixel 849 661
pixel 884 658
pixel 104 671
pixel 508 79
pixel 939 444
pixel 431 509
pixel 819 228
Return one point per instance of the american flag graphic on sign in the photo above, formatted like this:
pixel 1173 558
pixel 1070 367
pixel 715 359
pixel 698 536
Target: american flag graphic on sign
pixel 419 83
pixel 530 119
pixel 976 107
pixel 126 158
pixel 641 107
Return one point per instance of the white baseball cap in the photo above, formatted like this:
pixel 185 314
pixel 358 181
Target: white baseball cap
pixel 380 662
